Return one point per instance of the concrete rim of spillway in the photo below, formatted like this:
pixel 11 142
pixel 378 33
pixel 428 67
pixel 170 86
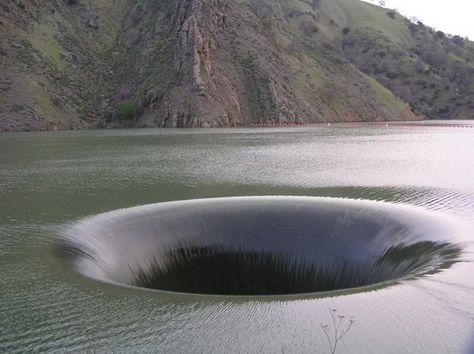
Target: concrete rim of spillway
pixel 112 247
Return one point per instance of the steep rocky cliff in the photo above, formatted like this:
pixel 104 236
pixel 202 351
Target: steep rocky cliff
pixel 67 64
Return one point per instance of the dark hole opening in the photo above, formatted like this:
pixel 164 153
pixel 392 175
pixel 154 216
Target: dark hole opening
pixel 260 246
pixel 217 270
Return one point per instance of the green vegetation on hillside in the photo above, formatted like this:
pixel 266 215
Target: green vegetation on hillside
pixel 433 74
pixel 68 64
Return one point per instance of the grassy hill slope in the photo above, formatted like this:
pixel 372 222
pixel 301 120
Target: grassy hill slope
pixel 68 64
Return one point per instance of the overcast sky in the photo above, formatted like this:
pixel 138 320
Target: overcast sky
pixel 453 16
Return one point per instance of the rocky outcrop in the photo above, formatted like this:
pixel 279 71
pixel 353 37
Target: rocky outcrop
pixel 186 63
pixel 197 30
pixel 229 69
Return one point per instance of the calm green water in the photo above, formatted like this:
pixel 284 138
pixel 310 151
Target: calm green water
pixel 49 181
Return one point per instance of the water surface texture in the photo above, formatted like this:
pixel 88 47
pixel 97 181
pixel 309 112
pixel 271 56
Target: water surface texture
pixel 51 183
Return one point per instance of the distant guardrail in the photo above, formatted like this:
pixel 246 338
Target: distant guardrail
pixel 367 125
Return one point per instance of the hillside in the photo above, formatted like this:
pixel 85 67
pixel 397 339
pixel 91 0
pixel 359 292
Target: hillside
pixel 70 64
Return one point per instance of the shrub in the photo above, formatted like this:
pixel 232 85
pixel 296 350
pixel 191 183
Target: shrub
pixel 124 94
pixel 328 46
pixel 72 2
pixel 412 27
pixel 392 75
pixel 126 110
pixel 346 30
pixel 308 26
pixel 391 14
pixel 458 40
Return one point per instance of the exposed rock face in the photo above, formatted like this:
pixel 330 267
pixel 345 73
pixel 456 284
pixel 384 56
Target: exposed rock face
pixel 234 72
pixel 187 63
pixel 198 29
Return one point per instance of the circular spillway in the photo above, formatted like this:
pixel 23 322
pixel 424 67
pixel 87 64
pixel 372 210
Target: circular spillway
pixel 260 245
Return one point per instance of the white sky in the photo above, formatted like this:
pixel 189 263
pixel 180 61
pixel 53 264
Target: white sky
pixel 453 16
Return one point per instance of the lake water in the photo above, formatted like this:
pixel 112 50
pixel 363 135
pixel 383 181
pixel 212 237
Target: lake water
pixel 49 182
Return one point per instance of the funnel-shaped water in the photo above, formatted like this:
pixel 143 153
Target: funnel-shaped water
pixel 260 245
